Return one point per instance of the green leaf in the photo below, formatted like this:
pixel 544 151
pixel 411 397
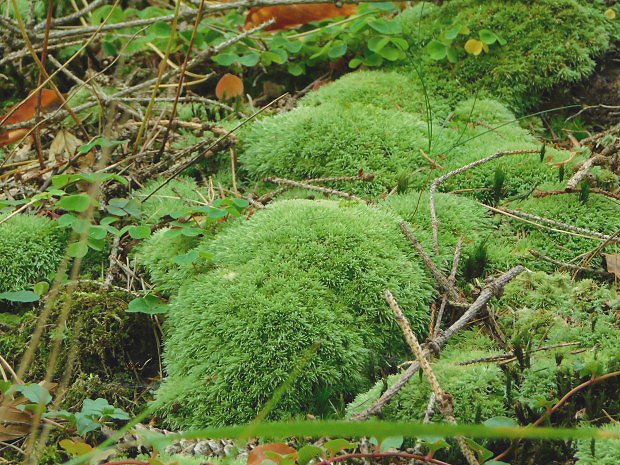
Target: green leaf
pixel 150 305
pixel 19 296
pixel 501 422
pixel 399 42
pixel 390 53
pixel 140 232
pixel 391 442
pixel 97 232
pixel 101 142
pixel 41 288
pixel 385 27
pixel 373 59
pixel 95 244
pixel 249 59
pixel 355 62
pixel 66 220
pixel 240 203
pixel 81 225
pixel 453 32
pixel 336 445
pixel 77 249
pixel 35 393
pixel 338 49
pixel 453 55
pixel 488 37
pixel 109 48
pixel 186 259
pixel 309 452
pixel 84 424
pixel 296 69
pixel 5 386
pixel 276 55
pixel 161 29
pixel 225 59
pixel 76 203
pixel 376 43
pixel 437 50
pixel 60 180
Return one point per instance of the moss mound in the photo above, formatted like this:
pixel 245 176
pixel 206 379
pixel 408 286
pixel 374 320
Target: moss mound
pixel 388 90
pixel 111 353
pixel 31 248
pixel 548 43
pixel 334 140
pixel 299 284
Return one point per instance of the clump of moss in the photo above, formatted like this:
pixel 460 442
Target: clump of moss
pixel 389 90
pixel 297 289
pixel 116 350
pixel 603 452
pixel 31 248
pixel 597 213
pixel 334 140
pixel 548 43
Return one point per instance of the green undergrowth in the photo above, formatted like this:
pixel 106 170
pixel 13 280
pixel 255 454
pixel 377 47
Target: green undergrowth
pixel 597 213
pixel 172 197
pixel 575 325
pixel 338 138
pixel 31 248
pixel 598 452
pixel 548 43
pixel 299 276
pixel 110 353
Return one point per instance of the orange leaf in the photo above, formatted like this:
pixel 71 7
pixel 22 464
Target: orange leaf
pixel 289 16
pixel 229 86
pixel 257 455
pixel 25 111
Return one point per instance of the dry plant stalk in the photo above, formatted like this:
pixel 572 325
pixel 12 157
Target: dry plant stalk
pixel 444 399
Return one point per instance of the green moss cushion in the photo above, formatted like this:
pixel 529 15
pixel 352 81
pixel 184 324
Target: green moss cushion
pixel 548 43
pixel 31 248
pixel 298 287
pixel 334 140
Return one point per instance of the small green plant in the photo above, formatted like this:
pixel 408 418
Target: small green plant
pixel 453 41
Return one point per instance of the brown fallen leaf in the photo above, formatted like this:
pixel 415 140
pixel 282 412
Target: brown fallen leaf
pixel 63 146
pixel 228 87
pixel 612 261
pixel 289 16
pixel 14 423
pixel 258 454
pixel 50 100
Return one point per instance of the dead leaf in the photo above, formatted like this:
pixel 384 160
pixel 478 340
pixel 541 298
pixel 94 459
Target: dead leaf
pixel 288 16
pixel 257 455
pixel 14 423
pixel 229 86
pixel 612 262
pixel 25 111
pixel 63 146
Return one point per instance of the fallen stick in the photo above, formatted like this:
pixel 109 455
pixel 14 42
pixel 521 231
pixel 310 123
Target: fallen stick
pixel 492 289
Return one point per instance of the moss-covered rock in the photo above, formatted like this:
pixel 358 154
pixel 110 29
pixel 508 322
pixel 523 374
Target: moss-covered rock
pixel 110 352
pixel 31 248
pixel 548 43
pixel 298 287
